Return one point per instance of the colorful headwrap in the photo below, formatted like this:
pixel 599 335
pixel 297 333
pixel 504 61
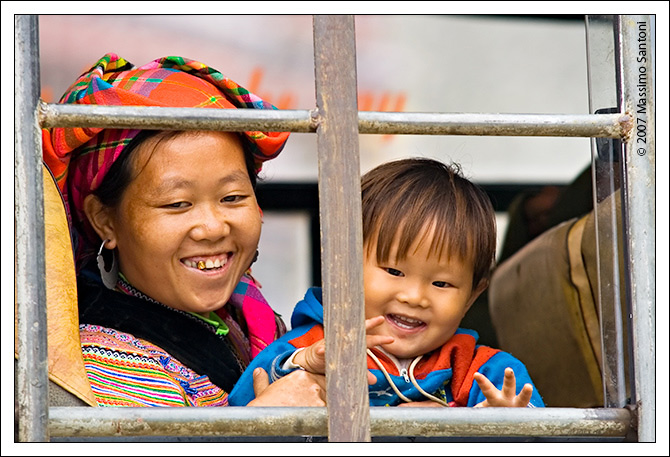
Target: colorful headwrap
pixel 80 158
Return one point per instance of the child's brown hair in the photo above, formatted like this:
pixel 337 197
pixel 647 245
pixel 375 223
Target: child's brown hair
pixel 403 197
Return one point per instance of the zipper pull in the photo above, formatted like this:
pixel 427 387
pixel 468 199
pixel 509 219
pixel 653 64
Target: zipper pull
pixel 403 373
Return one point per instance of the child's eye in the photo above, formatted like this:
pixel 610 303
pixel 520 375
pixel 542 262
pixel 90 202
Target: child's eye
pixel 441 284
pixel 393 272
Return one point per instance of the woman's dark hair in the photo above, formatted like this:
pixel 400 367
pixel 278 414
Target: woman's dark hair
pixel 120 174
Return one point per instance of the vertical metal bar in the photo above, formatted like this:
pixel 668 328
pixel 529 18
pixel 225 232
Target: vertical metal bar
pixel 341 228
pixel 639 197
pixel 32 387
pixel 603 64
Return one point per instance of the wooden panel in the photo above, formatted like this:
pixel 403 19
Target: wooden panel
pixel 341 228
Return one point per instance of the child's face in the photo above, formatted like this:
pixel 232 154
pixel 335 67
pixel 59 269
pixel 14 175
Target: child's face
pixel 423 298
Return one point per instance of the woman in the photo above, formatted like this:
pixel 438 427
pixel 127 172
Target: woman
pixel 165 227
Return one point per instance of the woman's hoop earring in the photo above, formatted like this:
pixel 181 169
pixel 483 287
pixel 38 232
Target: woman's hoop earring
pixel 111 276
pixel 252 262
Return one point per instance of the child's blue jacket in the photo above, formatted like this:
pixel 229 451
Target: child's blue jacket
pixel 446 373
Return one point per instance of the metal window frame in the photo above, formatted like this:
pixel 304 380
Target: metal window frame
pixel 337 124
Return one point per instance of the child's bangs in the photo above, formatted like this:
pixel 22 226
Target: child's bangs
pixel 438 225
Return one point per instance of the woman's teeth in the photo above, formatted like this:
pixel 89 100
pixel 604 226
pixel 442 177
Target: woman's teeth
pixel 208 264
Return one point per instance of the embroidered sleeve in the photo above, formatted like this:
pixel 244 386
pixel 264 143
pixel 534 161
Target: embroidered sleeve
pixel 121 378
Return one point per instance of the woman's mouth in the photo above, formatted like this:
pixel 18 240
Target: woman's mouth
pixel 206 263
pixel 404 323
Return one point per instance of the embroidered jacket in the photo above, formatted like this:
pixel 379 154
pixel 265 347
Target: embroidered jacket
pixel 126 369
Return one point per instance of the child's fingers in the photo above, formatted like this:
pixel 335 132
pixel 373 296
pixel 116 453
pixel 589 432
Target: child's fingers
pixel 377 340
pixel 488 389
pixel 314 357
pixel 524 396
pixel 507 396
pixel 509 384
pixel 373 322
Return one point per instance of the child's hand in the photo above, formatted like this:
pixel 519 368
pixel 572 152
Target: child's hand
pixel 375 340
pixel 313 357
pixel 506 397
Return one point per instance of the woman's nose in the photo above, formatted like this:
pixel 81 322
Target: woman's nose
pixel 210 223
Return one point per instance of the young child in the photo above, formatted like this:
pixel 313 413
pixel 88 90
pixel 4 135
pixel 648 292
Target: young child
pixel 429 242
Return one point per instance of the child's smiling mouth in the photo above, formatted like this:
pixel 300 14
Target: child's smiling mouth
pixel 404 323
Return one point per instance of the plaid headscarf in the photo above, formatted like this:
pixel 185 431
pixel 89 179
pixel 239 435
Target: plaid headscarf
pixel 79 158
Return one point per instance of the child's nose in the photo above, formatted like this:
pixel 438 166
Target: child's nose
pixel 413 294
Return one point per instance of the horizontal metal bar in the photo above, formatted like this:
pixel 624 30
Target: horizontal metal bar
pixel 433 422
pixel 567 125
pixel 369 122
pixel 481 124
pixel 157 117
pixel 534 422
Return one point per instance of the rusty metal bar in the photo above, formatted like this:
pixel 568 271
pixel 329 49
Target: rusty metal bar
pixel 602 63
pixel 156 117
pixel 639 201
pixel 509 422
pixel 422 422
pixel 32 379
pixel 341 228
pixel 569 125
pixel 369 122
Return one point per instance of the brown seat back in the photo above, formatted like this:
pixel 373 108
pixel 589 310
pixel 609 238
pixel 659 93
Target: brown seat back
pixel 544 307
pixel 68 381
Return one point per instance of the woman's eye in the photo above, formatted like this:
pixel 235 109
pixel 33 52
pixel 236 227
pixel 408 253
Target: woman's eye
pixel 177 205
pixel 393 272
pixel 233 198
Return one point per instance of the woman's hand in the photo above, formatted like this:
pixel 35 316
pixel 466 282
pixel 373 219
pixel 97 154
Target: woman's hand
pixel 505 397
pixel 298 388
pixel 313 357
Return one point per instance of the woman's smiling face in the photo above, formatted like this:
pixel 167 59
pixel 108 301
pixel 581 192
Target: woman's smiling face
pixel 191 203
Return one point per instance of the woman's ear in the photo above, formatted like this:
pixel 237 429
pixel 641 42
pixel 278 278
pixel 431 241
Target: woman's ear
pixel 100 218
